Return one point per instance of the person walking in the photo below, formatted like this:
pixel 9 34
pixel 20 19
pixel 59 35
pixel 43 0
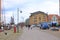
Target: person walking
pixel 28 27
pixel 2 28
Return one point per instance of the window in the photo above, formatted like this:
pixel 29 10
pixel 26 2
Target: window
pixel 35 20
pixel 35 17
pixel 44 16
pixel 54 18
pixel 39 18
pixel 44 20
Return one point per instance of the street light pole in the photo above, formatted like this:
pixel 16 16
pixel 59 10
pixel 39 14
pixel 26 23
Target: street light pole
pixel 0 13
pixel 17 20
pixel 18 15
pixel 4 17
pixel 59 7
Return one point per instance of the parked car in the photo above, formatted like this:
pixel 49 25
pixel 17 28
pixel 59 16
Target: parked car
pixel 32 25
pixel 53 24
pixel 50 24
pixel 44 25
pixel 54 28
pixel 38 25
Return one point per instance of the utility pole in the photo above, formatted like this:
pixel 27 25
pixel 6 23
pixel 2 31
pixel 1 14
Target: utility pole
pixel 0 13
pixel 4 18
pixel 17 20
pixel 13 18
pixel 59 10
pixel 59 7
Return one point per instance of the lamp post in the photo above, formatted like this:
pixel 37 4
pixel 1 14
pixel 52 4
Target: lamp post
pixel 17 20
pixel 59 7
pixel 0 13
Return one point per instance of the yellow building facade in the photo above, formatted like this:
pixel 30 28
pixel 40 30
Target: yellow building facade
pixel 38 17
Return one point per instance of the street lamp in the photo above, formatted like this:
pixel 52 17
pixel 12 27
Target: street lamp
pixel 18 19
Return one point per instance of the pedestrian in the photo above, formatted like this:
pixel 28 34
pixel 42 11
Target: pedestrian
pixel 31 27
pixel 2 28
pixel 28 27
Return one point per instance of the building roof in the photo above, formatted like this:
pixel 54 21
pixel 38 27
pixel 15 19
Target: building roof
pixel 38 12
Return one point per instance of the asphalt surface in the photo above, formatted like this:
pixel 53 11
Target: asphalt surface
pixel 36 34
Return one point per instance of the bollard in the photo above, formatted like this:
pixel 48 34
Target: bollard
pixel 14 29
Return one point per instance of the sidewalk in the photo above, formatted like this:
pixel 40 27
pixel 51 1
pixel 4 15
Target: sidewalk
pixel 10 35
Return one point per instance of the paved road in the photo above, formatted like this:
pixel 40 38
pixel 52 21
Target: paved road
pixel 36 34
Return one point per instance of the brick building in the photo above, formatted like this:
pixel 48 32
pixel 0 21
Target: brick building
pixel 38 17
pixel 54 18
pixel 59 20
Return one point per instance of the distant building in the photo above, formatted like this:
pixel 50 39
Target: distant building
pixel 38 17
pixel 53 18
pixel 59 20
pixel 12 20
pixel 27 22
pixel 21 24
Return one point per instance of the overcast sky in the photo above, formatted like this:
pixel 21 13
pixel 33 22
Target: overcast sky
pixel 9 7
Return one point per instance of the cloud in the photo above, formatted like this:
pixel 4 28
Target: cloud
pixel 11 3
pixel 47 6
pixel 7 16
pixel 51 7
pixel 29 6
pixel 7 4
